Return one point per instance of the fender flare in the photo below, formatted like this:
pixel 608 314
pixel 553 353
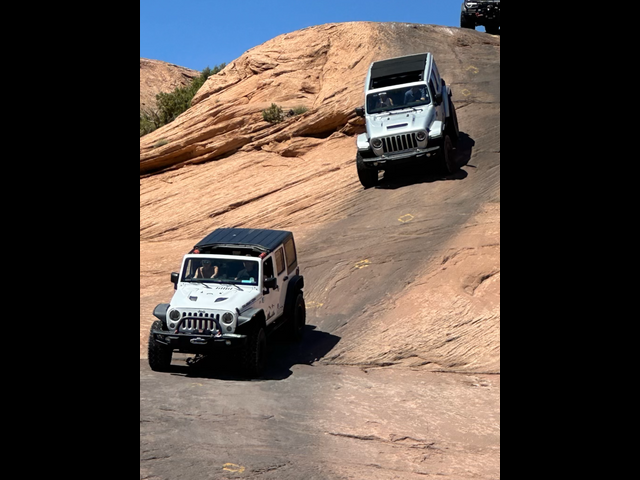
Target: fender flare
pixel 296 284
pixel 250 319
pixel 160 312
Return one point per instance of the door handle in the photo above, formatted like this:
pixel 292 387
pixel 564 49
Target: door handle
pixel 285 278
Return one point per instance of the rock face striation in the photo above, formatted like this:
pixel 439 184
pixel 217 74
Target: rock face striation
pixel 221 164
pixel 321 68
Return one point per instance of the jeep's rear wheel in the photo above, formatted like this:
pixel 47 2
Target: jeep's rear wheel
pixel 297 319
pixel 159 354
pixel 254 354
pixel 368 176
pixel 448 155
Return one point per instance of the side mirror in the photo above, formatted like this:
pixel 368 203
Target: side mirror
pixel 359 111
pixel 438 98
pixel 174 279
pixel 271 282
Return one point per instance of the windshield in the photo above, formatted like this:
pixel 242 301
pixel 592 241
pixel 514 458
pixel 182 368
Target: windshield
pixel 221 270
pixel 393 99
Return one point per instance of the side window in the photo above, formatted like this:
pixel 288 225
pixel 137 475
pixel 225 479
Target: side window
pixel 290 253
pixel 436 74
pixel 279 261
pixel 432 87
pixel 267 267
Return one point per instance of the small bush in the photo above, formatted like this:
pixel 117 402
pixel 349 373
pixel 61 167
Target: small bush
pixel 273 114
pixel 170 105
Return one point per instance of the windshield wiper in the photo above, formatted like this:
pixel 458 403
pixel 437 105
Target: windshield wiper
pixel 237 287
pixel 402 109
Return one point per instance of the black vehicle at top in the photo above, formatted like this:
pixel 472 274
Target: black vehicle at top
pixel 481 12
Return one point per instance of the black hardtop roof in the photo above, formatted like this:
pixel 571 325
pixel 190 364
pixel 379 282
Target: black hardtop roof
pixel 395 66
pixel 267 239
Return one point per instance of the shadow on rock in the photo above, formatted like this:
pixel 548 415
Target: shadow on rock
pixel 281 356
pixel 429 172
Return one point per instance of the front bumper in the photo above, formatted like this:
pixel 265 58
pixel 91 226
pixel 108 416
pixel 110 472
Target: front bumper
pixel 402 157
pixel 482 15
pixel 198 343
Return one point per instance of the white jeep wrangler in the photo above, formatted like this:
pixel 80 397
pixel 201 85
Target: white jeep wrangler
pixel 236 286
pixel 409 117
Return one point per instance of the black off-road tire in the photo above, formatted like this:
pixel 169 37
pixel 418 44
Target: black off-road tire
pixel 368 176
pixel 492 29
pixel 297 319
pixel 448 154
pixel 466 23
pixel 254 353
pixel 454 130
pixel 159 354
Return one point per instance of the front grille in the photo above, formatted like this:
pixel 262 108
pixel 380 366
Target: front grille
pixel 199 325
pixel 398 143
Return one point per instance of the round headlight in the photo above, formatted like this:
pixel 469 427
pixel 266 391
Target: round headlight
pixel 420 136
pixel 227 317
pixel 174 314
pixel 376 143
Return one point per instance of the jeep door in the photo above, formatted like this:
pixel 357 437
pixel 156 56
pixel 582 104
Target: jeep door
pixel 283 278
pixel 271 297
pixel 435 88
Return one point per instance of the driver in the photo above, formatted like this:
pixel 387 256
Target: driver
pixel 207 270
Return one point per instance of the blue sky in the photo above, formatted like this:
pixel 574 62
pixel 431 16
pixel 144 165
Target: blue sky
pixel 204 33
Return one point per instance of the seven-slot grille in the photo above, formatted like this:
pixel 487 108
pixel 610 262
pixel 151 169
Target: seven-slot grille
pixel 193 324
pixel 398 143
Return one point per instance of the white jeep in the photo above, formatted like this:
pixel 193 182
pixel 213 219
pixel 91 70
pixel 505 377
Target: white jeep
pixel 250 286
pixel 409 117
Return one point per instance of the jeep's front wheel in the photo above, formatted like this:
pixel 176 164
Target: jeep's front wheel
pixel 368 176
pixel 453 121
pixel 492 29
pixel 449 156
pixel 254 355
pixel 466 23
pixel 297 319
pixel 159 354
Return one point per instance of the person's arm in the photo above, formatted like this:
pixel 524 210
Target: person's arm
pixel 215 271
pixel 197 274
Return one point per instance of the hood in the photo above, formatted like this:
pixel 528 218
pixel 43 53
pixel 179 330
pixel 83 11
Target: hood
pixel 215 297
pixel 399 122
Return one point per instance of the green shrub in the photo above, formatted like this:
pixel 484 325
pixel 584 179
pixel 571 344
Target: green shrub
pixel 170 105
pixel 273 114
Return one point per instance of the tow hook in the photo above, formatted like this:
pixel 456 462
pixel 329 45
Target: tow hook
pixel 191 361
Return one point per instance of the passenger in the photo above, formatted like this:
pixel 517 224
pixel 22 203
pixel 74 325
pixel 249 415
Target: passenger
pixel 248 271
pixel 384 101
pixel 414 94
pixel 207 270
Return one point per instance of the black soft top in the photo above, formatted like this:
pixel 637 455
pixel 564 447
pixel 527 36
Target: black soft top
pixel 409 68
pixel 245 238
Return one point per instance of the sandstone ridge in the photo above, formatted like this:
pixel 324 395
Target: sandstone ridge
pixel 404 274
pixel 321 68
